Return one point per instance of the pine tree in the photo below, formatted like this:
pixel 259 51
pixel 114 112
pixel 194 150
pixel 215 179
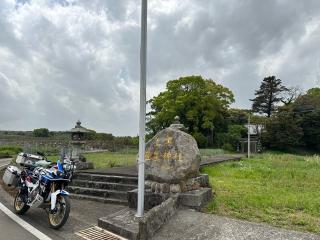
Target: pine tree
pixel 268 95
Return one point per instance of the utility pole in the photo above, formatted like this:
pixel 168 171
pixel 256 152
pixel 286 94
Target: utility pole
pixel 142 117
pixel 249 136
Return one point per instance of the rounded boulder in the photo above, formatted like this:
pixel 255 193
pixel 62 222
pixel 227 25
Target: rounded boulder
pixel 172 156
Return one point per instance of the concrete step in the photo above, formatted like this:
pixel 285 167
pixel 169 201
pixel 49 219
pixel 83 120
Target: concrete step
pixel 98 192
pixel 103 185
pixel 106 178
pixel 99 199
pixel 122 223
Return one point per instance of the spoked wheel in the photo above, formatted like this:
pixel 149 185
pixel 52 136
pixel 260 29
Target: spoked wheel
pixel 19 206
pixel 59 217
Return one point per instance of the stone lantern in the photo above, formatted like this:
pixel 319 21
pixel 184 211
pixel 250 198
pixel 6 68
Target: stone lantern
pixel 77 141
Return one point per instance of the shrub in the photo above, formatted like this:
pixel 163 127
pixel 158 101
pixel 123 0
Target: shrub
pixel 10 150
pixel 228 147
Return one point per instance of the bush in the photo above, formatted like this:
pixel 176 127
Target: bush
pixel 9 151
pixel 228 147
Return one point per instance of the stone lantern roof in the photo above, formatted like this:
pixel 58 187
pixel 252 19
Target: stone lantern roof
pixel 177 125
pixel 79 129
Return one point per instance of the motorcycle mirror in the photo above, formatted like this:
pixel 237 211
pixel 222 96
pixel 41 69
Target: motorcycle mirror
pixel 40 153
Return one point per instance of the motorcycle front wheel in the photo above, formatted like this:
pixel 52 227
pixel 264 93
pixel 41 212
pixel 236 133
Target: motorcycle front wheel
pixel 19 206
pixel 60 216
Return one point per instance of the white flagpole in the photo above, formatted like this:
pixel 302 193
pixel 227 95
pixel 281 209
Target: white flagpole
pixel 142 117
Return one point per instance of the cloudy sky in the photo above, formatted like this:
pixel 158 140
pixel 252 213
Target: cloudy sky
pixel 64 60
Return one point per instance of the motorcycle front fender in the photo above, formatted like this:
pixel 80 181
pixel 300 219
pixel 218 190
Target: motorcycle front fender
pixel 64 193
pixel 54 197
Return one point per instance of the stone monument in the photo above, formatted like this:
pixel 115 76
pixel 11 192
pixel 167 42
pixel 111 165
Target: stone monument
pixel 172 161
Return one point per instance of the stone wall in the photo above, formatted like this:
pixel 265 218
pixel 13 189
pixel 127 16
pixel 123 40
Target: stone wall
pixel 47 144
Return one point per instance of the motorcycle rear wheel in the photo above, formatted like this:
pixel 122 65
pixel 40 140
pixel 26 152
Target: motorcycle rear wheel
pixel 60 217
pixel 19 206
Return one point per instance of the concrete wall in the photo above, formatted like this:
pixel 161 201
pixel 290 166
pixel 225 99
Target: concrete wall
pixel 156 217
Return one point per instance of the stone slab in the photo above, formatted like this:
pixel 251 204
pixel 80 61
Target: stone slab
pixel 130 171
pixel 84 165
pixel 123 223
pixel 195 199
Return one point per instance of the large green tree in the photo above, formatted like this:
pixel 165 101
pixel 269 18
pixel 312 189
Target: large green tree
pixel 307 111
pixel 200 103
pixel 283 131
pixel 268 96
pixel 296 125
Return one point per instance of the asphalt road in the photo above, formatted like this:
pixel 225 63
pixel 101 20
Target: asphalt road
pixel 11 230
pixel 84 214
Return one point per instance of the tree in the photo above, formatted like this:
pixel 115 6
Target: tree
pixel 283 131
pixel 200 103
pixel 41 132
pixel 268 95
pixel 307 110
pixel 296 125
pixel 238 116
pixel 230 139
pixel 290 95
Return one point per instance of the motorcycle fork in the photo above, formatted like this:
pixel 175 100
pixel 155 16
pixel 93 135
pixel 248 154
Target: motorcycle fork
pixel 52 187
pixel 53 197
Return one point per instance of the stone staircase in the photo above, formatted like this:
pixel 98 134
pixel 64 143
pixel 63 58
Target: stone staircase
pixel 102 187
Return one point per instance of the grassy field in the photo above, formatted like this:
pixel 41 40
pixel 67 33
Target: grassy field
pixel 125 157
pixel 112 159
pixel 280 189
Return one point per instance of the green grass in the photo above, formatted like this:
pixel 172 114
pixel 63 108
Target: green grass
pixel 280 189
pixel 109 159
pixel 112 159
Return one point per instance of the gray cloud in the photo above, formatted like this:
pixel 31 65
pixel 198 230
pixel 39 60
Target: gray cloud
pixel 75 59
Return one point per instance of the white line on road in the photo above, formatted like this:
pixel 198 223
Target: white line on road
pixel 35 232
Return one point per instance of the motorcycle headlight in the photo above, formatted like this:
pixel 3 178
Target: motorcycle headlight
pixel 66 167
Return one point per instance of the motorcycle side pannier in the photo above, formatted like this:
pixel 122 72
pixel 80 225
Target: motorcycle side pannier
pixel 10 177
